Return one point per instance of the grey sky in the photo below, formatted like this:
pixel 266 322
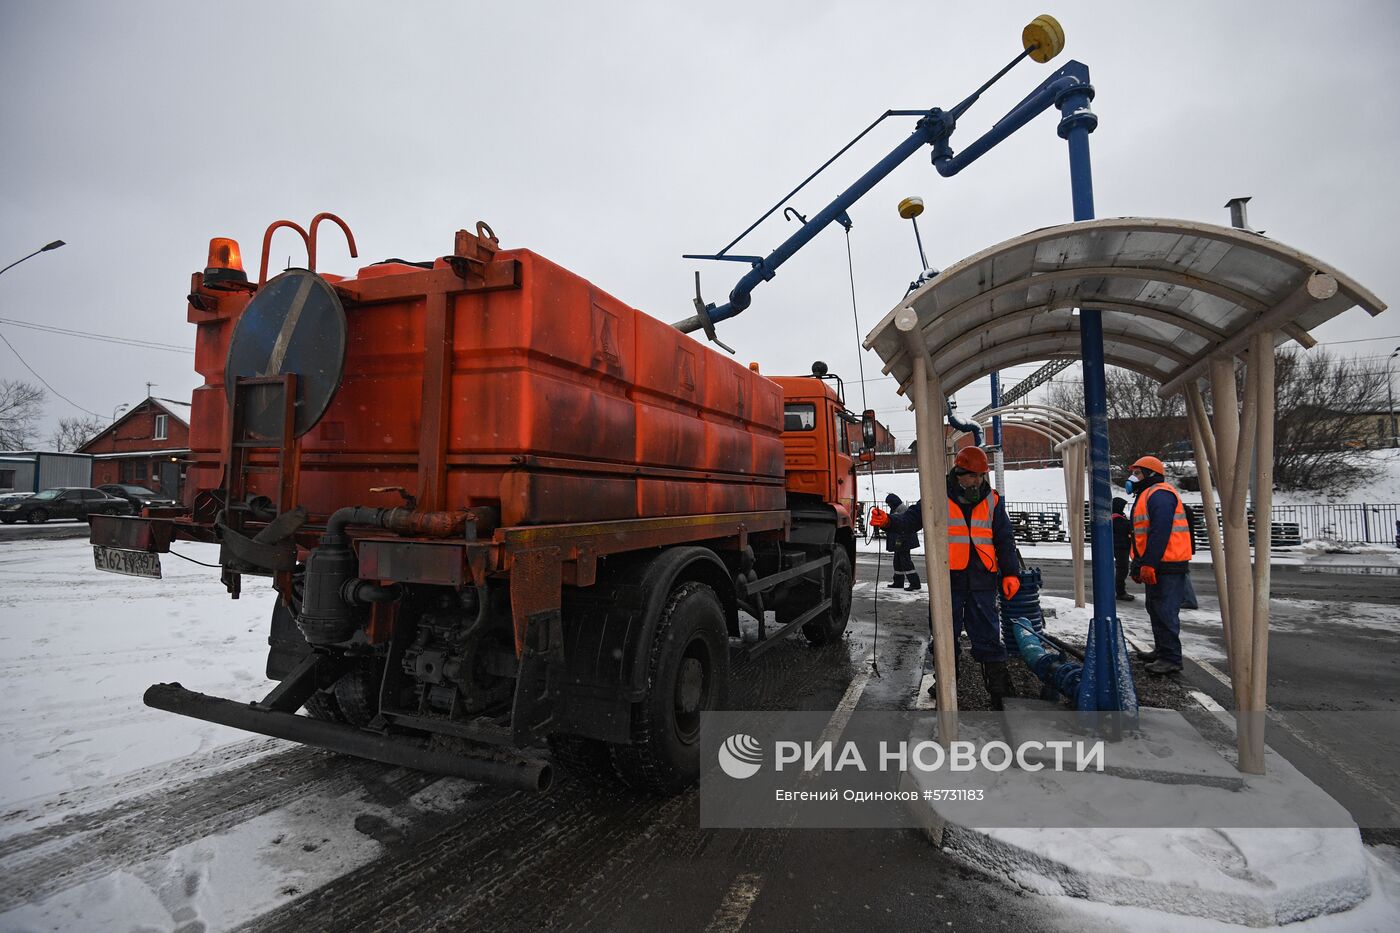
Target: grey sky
pixel 613 137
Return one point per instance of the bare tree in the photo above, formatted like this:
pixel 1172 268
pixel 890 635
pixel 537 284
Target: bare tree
pixel 21 404
pixel 73 433
pixel 1321 403
pixel 1139 421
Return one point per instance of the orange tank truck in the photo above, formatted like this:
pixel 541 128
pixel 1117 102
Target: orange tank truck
pixel 501 509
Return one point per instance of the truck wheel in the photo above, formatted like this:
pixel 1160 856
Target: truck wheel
pixel 322 705
pixel 829 626
pixel 356 693
pixel 38 517
pixel 589 759
pixel 688 673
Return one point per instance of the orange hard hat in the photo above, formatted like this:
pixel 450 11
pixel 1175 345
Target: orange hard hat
pixel 973 460
pixel 1150 463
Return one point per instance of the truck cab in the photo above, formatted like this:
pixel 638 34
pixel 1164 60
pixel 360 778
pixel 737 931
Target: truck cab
pixel 818 459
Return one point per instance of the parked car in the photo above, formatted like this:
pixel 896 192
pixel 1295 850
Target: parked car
pixel 139 496
pixel 8 497
pixel 63 502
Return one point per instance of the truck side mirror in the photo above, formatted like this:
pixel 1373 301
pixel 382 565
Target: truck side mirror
pixel 867 456
pixel 867 430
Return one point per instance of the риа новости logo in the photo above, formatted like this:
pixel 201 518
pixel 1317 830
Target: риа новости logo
pixel 741 756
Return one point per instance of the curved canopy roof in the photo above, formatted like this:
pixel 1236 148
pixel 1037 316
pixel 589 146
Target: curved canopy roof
pixel 1172 292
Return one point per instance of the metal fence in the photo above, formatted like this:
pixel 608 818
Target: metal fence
pixel 1353 523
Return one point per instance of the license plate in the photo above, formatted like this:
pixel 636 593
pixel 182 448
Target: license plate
pixel 131 563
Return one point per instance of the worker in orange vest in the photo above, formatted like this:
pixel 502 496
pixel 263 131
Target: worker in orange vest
pixel 1161 558
pixel 982 558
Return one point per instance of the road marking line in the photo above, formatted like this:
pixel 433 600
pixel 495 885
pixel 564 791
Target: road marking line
pixel 1322 751
pixel 1206 700
pixel 842 714
pixel 1217 673
pixel 734 910
pixel 925 700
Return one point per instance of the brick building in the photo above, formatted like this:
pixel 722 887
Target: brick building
pixel 148 446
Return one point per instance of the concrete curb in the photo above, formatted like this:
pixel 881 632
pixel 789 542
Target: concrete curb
pixel 1256 877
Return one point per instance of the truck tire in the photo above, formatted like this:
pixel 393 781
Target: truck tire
pixel 322 705
pixel 830 625
pixel 589 759
pixel 356 693
pixel 687 674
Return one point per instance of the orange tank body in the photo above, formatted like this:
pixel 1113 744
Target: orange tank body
pixel 558 403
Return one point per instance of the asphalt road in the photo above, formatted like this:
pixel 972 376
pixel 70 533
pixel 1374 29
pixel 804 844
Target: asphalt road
pixel 581 857
pixel 591 858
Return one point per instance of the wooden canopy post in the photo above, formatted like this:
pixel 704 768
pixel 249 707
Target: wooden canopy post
pixel 1234 440
pixel 1203 447
pixel 1261 365
pixel 1074 488
pixel 933 498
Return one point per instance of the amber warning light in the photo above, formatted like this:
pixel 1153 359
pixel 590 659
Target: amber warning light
pixel 225 266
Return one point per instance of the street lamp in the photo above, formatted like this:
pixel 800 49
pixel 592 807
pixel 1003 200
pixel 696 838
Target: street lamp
pixel 1390 398
pixel 43 249
pixel 120 408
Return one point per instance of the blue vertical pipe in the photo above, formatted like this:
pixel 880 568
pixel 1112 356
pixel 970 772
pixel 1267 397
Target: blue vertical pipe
pixel 996 403
pixel 1107 683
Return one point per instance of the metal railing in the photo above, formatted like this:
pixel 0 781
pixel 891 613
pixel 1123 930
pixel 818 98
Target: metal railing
pixel 1351 523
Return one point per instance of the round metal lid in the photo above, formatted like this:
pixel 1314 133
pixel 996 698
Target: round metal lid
pixel 295 324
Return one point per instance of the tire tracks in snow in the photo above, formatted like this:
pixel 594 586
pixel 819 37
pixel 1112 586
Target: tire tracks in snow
pixel 87 846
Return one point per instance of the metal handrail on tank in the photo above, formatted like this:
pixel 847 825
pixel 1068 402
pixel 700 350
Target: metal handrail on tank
pixel 267 245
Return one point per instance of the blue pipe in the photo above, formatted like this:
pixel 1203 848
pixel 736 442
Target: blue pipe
pixel 933 129
pixel 1050 666
pixel 1067 78
pixel 996 403
pixel 933 126
pixel 970 427
pixel 1107 683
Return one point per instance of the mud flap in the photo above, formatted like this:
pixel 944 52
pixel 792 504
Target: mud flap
pixel 537 686
pixel 539 642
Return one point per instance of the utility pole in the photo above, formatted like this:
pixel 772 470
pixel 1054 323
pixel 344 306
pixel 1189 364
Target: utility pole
pixel 1390 398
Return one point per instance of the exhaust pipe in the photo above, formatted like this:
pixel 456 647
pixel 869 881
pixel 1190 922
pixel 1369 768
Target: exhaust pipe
pixel 521 773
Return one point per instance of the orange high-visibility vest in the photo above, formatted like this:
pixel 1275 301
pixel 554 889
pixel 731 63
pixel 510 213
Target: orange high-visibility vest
pixel 962 538
pixel 1179 544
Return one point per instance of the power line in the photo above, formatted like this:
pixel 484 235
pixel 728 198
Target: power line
pixel 105 338
pixel 41 379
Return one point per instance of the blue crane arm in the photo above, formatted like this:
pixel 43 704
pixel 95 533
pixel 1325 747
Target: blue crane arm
pixel 934 128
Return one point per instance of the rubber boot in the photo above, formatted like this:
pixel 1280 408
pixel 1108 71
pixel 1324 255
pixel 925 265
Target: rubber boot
pixel 914 583
pixel 897 583
pixel 998 681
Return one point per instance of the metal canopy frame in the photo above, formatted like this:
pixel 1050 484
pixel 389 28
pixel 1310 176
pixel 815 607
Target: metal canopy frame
pixel 1173 293
pixel 1177 300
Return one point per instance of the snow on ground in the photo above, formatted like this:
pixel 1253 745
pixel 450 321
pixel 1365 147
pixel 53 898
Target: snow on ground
pixel 80 647
pixel 1379 913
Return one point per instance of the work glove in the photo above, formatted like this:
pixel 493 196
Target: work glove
pixel 879 518
pixel 1010 586
pixel 1149 575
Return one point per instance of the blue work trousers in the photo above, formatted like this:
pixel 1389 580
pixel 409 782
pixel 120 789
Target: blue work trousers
pixel 975 611
pixel 1164 609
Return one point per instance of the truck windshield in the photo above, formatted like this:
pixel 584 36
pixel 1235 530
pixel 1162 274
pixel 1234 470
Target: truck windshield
pixel 799 416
